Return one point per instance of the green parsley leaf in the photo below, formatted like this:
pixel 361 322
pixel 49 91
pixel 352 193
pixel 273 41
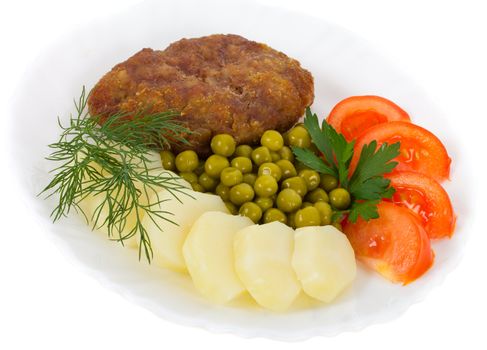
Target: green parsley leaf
pixel 342 150
pixel 366 181
pixel 373 188
pixel 367 210
pixel 321 140
pixel 311 160
pixel 366 185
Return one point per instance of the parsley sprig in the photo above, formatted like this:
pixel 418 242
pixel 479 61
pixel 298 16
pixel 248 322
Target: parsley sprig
pixel 366 185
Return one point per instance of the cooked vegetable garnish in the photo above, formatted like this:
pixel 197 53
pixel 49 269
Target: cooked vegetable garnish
pixel 111 161
pixel 286 214
pixel 365 183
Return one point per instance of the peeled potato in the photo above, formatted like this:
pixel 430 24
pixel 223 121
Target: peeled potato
pixel 208 253
pixel 170 178
pixel 263 263
pixel 167 239
pixel 152 160
pixel 90 202
pixel 324 261
pixel 90 205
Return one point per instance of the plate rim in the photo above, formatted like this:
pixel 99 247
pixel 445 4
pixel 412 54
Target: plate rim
pixel 200 322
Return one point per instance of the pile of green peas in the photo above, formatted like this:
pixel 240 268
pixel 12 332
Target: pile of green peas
pixel 264 183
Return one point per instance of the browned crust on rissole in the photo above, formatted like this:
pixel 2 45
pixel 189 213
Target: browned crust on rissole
pixel 219 84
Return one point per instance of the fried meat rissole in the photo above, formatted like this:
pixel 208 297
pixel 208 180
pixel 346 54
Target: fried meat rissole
pixel 219 84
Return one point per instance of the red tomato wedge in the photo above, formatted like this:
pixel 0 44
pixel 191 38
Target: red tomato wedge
pixel 421 151
pixel 353 115
pixel 395 245
pixel 428 199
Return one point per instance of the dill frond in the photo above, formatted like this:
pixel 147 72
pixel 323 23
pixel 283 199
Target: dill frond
pixel 109 158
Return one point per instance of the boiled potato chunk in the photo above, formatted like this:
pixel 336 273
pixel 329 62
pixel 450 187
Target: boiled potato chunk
pixel 263 263
pixel 90 206
pixel 166 237
pixel 171 180
pixel 90 201
pixel 324 261
pixel 152 160
pixel 208 253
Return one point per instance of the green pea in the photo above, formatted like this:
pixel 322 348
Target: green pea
pixel 299 137
pixel 272 140
pixel 275 156
pixel 243 151
pixel 208 182
pixel 288 200
pixel 223 191
pixel 308 216
pixel 286 153
pixel 287 168
pixel 241 193
pixel 215 164
pixel 314 149
pixel 264 202
pixel 255 169
pixel 290 219
pixel 243 164
pixel 274 214
pixel 261 155
pixel 317 195
pixel 340 198
pixel 187 161
pixel 328 182
pixel 251 210
pixel 190 177
pixel 197 187
pixel 168 160
pixel 265 186
pixel 325 212
pixel 200 169
pixel 223 145
pixel 311 177
pixel 306 204
pixel 300 166
pixel 231 176
pixel 231 208
pixel 249 179
pixel 338 226
pixel 297 184
pixel 270 169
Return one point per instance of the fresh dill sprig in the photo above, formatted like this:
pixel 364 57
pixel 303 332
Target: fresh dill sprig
pixel 107 158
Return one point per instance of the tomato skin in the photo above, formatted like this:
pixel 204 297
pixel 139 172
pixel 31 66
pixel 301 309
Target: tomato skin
pixel 353 115
pixel 421 151
pixel 427 198
pixel 395 245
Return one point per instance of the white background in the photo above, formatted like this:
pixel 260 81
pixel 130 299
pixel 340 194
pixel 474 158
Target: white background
pixel 45 302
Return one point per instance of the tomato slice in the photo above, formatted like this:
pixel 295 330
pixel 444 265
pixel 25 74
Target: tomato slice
pixel 428 199
pixel 395 245
pixel 421 151
pixel 353 115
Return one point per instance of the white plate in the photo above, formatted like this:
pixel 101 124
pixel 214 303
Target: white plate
pixel 342 65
